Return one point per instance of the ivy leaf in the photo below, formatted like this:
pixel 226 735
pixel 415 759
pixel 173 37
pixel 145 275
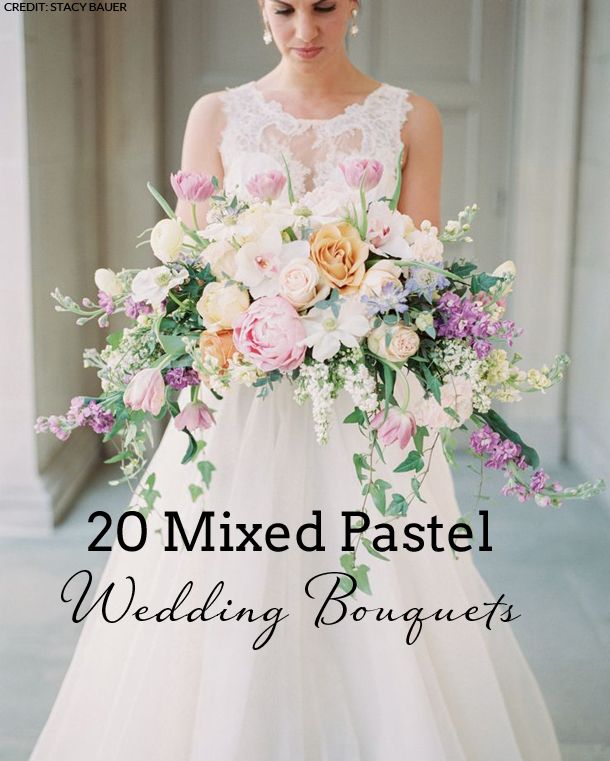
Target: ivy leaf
pixel 462 268
pixel 377 492
pixel 413 461
pixel 398 505
pixel 362 579
pixel 206 469
pixel 415 484
pixel 356 416
pixel 196 492
pixel 369 547
pixel 418 438
pixel 433 383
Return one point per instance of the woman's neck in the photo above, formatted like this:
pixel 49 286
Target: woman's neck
pixel 339 76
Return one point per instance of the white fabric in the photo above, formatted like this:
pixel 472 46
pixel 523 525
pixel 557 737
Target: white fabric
pixel 353 691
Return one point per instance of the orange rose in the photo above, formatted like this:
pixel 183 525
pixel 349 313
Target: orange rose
pixel 340 255
pixel 218 345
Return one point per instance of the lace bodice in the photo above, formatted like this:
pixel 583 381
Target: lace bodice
pixel 259 132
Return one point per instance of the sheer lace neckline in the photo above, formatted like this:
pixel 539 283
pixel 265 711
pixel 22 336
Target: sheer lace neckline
pixel 276 106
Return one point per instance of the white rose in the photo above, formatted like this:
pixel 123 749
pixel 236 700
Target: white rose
pixel 107 281
pixel 378 275
pixel 220 255
pixel 166 240
pixel 220 304
pixel 299 283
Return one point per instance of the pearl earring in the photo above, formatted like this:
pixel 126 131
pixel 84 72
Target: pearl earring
pixel 354 27
pixel 267 37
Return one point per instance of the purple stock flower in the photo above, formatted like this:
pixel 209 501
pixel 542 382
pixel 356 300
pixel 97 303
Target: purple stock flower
pixel 466 318
pixel 133 309
pixel 105 301
pixel 538 480
pixel 181 377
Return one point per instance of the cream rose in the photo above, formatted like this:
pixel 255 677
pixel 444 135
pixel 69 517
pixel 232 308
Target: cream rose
pixel 220 255
pixel 395 343
pixel 166 240
pixel 221 304
pixel 340 254
pixel 378 275
pixel 299 283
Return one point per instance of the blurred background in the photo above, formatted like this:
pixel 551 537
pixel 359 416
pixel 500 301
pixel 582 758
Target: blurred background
pixel 94 105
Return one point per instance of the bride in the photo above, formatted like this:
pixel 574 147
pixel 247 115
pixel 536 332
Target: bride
pixel 185 688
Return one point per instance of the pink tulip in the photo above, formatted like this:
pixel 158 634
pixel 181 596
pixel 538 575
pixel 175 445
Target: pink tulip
pixel 398 426
pixel 356 171
pixel 195 415
pixel 268 334
pixel 266 186
pixel 145 391
pixel 191 186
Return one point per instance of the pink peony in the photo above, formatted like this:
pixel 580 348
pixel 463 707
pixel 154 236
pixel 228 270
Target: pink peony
pixel 356 171
pixel 398 426
pixel 268 334
pixel 195 415
pixel 191 186
pixel 146 391
pixel 266 186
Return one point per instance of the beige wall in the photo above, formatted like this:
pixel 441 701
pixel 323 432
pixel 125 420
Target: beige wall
pixel 588 399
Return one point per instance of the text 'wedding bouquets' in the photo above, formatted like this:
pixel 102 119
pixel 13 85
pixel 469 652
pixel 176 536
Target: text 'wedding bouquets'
pixel 337 292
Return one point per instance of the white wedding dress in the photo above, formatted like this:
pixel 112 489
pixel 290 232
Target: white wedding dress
pixel 352 691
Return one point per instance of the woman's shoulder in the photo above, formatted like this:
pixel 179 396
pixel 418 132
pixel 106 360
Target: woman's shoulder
pixel 424 118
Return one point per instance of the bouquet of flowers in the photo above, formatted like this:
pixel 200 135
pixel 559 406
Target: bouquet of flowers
pixel 335 291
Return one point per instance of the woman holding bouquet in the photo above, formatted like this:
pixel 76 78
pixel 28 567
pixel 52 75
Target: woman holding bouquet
pixel 316 129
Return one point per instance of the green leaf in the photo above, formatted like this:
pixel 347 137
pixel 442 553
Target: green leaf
pixel 462 268
pixel 433 383
pixel 413 461
pixel 361 465
pixel 377 492
pixel 114 339
pixel 482 282
pixel 356 416
pixel 362 579
pixel 418 438
pixel 161 201
pixel 124 455
pixel 196 492
pixel 206 468
pixel 369 547
pixel 398 505
pixel 172 345
pixel 348 561
pixel 498 424
pixel 389 376
pixel 415 484
pixel 396 195
pixel 191 450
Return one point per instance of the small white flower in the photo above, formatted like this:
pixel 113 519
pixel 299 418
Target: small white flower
pixel 152 285
pixel 326 333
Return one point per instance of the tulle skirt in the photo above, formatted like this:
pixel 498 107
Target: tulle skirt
pixel 273 686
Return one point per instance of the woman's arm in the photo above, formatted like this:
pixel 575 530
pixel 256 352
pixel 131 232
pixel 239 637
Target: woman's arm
pixel 422 134
pixel 200 149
